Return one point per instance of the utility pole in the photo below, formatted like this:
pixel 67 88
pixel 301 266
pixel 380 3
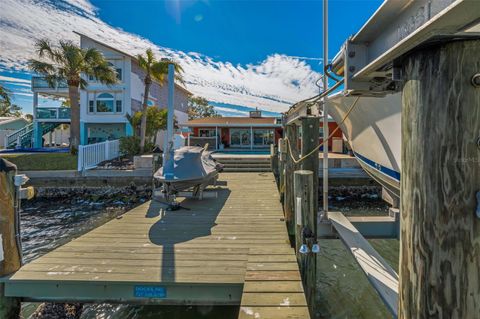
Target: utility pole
pixel 168 155
pixel 325 112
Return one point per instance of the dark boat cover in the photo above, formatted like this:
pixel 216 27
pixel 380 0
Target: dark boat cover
pixel 191 164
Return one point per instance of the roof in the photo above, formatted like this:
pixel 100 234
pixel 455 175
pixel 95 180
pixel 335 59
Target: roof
pixel 6 120
pixel 129 55
pixel 233 121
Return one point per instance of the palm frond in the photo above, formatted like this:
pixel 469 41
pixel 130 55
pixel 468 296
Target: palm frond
pixel 46 49
pixel 83 84
pixel 41 67
pixel 104 73
pixel 141 61
pixel 160 71
pixel 92 56
pixel 5 94
pixel 150 56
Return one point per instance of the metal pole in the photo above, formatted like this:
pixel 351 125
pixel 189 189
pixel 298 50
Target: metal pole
pixel 325 112
pixel 168 155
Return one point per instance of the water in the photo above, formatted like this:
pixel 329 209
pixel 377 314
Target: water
pixel 343 290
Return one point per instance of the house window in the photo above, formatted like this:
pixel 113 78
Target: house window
pixel 91 78
pixel 118 104
pixel 118 71
pixel 105 103
pixel 91 108
pixel 206 132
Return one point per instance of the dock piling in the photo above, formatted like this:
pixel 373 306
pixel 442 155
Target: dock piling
pixel 290 166
pixel 310 139
pixel 281 168
pixel 10 255
pixel 305 230
pixel 440 234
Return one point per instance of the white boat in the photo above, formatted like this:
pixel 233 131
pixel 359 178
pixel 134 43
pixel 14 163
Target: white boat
pixel 373 129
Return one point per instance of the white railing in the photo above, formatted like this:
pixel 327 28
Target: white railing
pixel 15 136
pixel 89 156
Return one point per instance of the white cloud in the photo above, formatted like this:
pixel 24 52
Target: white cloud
pixel 13 80
pixel 226 111
pixel 273 84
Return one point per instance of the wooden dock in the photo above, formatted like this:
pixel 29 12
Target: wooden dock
pixel 229 250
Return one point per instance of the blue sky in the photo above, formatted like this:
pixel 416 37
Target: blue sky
pixel 239 31
pixel 238 54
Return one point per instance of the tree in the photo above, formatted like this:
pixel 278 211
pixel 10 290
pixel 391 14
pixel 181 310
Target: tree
pixel 8 109
pixel 198 107
pixel 154 70
pixel 156 120
pixel 66 62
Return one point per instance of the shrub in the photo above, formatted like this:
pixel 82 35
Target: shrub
pixel 149 146
pixel 130 145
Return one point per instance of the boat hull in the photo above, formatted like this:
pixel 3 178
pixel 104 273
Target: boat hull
pixel 373 130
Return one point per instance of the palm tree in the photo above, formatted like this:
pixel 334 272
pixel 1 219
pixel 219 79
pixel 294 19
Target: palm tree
pixel 6 107
pixel 154 70
pixel 4 94
pixel 66 63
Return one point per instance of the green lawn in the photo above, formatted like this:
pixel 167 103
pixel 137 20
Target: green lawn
pixel 42 161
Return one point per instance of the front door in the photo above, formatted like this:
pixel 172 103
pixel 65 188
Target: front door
pixel 240 137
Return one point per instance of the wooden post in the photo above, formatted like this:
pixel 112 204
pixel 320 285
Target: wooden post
pixel 10 260
pixel 274 161
pixel 310 140
pixel 440 233
pixel 291 132
pixel 304 223
pixel 281 167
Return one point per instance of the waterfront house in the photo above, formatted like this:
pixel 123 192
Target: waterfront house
pixel 103 108
pixel 255 132
pixel 252 132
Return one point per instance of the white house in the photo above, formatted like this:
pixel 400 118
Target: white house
pixel 103 108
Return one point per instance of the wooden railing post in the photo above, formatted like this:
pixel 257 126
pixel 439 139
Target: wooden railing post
pixel 10 254
pixel 310 140
pixel 304 226
pixel 439 230
pixel 274 161
pixel 288 204
pixel 281 167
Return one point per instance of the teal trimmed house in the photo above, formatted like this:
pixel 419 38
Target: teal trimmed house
pixel 103 108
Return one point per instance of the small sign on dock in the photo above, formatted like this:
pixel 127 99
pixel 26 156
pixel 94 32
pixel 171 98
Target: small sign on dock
pixel 150 292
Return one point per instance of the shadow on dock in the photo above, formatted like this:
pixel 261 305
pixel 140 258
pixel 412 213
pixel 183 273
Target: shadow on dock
pixel 195 220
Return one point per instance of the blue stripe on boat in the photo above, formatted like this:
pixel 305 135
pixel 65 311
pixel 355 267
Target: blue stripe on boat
pixel 385 170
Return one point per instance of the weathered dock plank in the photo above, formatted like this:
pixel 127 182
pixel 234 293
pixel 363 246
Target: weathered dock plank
pixel 213 253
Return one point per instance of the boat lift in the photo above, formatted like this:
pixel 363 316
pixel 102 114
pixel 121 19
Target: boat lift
pixel 369 63
pixel 166 193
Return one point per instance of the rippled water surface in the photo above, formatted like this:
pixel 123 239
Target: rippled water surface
pixel 343 291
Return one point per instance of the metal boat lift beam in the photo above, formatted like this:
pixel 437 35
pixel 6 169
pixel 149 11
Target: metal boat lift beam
pixel 366 60
pixel 398 27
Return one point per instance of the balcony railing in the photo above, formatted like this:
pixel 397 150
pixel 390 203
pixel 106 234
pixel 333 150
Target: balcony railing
pixel 53 113
pixel 39 82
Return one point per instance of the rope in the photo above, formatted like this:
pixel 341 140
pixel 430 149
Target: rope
pixel 296 161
